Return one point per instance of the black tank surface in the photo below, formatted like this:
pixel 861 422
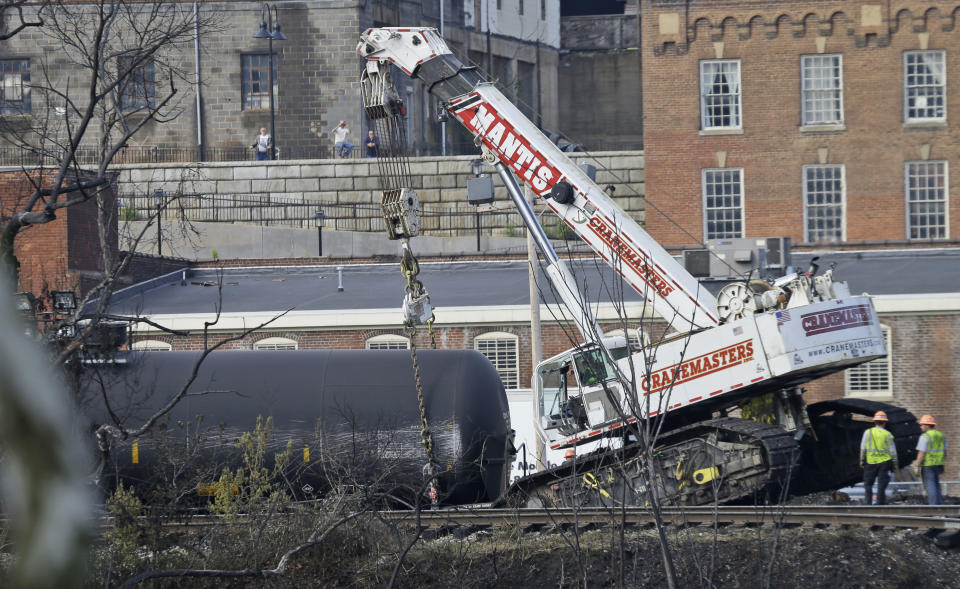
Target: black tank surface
pixel 347 417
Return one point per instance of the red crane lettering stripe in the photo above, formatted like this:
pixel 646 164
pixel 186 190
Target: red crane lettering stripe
pixel 698 367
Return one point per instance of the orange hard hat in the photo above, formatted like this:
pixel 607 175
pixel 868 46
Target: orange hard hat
pixel 927 420
pixel 570 453
pixel 879 416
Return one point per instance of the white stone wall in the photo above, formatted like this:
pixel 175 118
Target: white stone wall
pixel 440 182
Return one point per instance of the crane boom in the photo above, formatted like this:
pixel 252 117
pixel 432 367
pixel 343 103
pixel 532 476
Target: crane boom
pixel 519 145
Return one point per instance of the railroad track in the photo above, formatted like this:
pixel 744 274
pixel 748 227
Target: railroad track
pixel 946 517
pixel 926 517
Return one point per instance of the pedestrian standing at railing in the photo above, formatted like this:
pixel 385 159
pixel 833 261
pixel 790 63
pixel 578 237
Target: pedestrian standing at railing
pixel 341 147
pixel 373 144
pixel 931 456
pixel 262 144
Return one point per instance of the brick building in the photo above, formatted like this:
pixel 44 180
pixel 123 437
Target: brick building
pixel 317 74
pixel 828 122
pixel 63 254
pixel 920 373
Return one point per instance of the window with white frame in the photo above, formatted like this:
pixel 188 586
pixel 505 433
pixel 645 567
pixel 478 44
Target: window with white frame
pixel 151 345
pixel 501 350
pixel 926 188
pixel 924 86
pixel 871 379
pixel 823 203
pixel 822 89
pixel 14 86
pixel 723 203
pixel 720 94
pixel 388 342
pixel 275 343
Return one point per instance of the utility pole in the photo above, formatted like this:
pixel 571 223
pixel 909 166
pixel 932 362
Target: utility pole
pixel 536 346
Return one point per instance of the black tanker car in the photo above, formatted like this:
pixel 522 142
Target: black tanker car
pixel 345 417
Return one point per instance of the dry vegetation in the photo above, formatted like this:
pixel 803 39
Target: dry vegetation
pixel 366 553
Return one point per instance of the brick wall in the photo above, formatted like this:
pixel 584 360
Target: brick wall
pixel 63 254
pixel 555 339
pixel 769 38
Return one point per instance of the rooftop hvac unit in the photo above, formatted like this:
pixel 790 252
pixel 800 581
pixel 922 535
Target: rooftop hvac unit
pixel 739 258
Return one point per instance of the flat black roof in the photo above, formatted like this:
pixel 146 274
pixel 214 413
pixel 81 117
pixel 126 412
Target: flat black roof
pixel 483 283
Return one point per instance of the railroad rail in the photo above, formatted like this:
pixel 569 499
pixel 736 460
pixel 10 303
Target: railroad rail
pixel 924 517
pixel 946 517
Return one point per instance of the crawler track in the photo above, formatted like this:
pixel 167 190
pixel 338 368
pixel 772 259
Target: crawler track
pixel 722 459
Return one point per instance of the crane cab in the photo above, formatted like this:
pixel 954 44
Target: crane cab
pixel 572 389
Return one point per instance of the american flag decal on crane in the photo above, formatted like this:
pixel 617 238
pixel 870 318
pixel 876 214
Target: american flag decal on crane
pixel 782 317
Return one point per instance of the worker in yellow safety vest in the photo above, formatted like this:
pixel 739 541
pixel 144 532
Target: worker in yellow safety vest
pixel 931 456
pixel 878 456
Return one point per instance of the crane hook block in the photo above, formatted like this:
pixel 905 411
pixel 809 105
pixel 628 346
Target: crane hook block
pixel 417 309
pixel 562 192
pixel 401 213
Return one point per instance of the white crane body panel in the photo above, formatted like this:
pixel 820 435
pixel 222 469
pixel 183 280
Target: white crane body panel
pixel 754 355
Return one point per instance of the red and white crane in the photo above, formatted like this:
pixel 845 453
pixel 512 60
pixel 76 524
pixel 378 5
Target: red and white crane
pixel 749 352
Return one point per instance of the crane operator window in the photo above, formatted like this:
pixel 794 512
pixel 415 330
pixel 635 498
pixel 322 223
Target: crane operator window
pixel 591 368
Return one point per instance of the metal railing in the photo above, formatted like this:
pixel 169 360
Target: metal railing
pixel 17 156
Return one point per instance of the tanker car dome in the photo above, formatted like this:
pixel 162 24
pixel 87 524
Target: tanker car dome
pixel 360 402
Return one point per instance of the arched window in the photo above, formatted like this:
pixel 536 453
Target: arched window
pixel 388 341
pixel 151 345
pixel 871 379
pixel 275 343
pixel 501 349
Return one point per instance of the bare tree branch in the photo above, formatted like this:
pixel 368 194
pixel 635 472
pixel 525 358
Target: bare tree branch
pixel 151 323
pixel 17 5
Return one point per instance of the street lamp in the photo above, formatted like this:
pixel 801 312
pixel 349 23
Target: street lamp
pixel 318 218
pixel 160 196
pixel 266 25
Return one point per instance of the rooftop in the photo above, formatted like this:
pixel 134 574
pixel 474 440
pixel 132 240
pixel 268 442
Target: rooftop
pixel 483 283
